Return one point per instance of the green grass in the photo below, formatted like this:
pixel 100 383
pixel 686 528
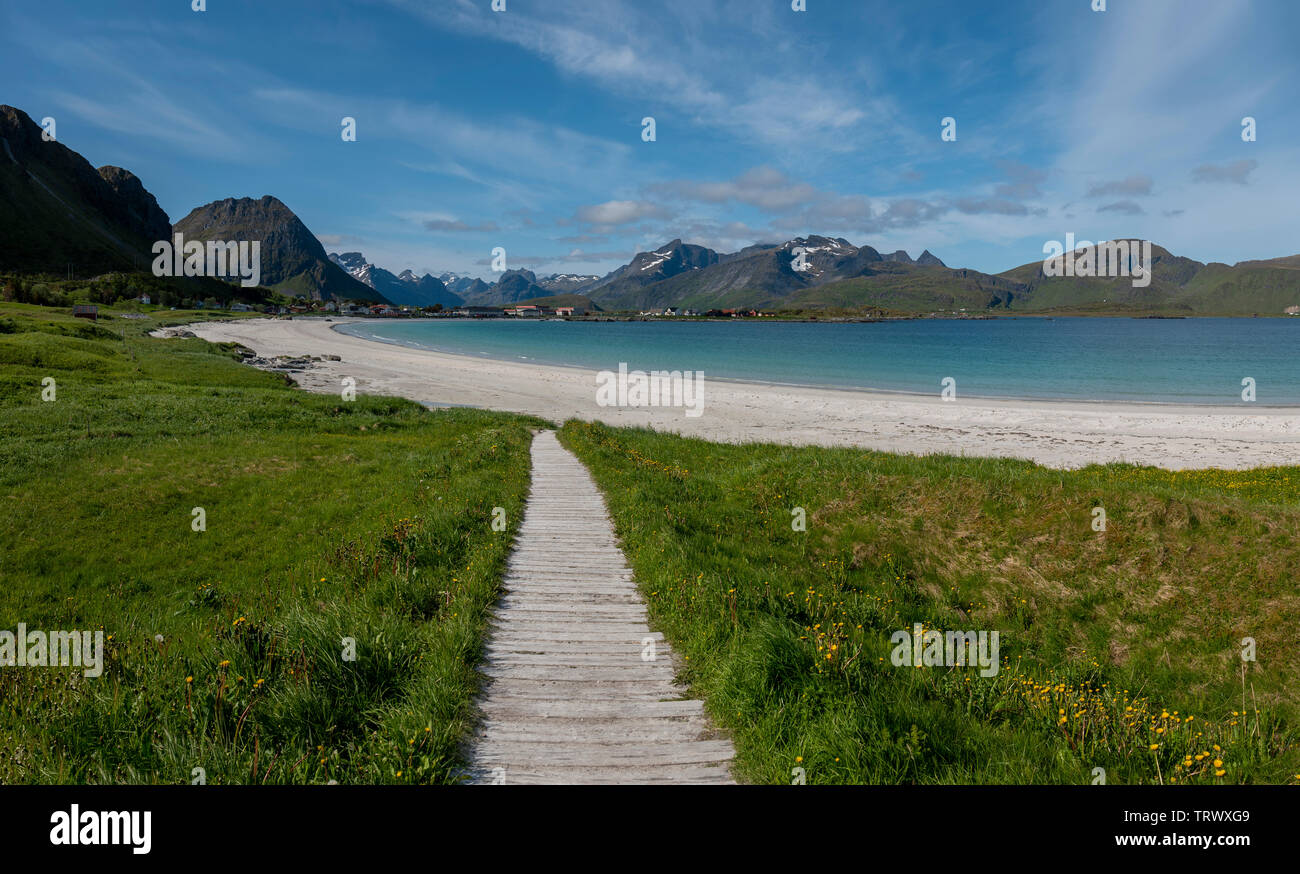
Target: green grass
pixel 325 520
pixel 1110 642
pixel 371 519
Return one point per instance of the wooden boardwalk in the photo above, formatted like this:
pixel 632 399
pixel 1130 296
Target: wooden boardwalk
pixel 572 694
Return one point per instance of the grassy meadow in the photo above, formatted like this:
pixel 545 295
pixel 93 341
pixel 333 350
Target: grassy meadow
pixel 1119 649
pixel 371 520
pixel 325 520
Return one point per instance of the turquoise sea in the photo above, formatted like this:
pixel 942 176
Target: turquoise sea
pixel 1198 361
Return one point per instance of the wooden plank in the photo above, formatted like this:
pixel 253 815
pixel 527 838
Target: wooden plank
pixel 581 635
pixel 537 709
pixel 589 775
pixel 684 752
pixel 568 697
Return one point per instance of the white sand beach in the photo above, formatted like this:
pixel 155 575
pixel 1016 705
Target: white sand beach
pixel 1056 434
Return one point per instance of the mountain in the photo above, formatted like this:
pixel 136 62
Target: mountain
pixel 912 288
pixel 293 260
pixel 1178 285
pixel 819 272
pixel 353 262
pixel 512 287
pixel 567 283
pixel 816 272
pixel 646 268
pixel 140 208
pixel 763 275
pixel 405 289
pixel 475 288
pixel 460 285
pixel 518 285
pixel 58 212
pixel 425 291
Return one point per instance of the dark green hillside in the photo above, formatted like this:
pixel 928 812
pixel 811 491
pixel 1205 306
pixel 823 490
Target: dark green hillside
pixel 927 289
pixel 58 213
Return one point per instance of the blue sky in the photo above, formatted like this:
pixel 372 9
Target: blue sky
pixel 522 128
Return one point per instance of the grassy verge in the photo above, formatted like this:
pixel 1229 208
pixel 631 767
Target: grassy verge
pixel 1119 650
pixel 367 520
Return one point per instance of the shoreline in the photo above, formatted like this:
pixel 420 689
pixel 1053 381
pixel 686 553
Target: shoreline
pixel 1055 433
pixel 339 322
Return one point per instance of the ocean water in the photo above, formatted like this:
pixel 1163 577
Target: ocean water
pixel 1190 361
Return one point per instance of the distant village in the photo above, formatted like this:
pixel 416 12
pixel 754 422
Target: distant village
pixel 537 311
pixel 514 311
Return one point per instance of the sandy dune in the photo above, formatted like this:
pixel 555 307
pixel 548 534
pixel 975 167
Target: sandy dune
pixel 1058 434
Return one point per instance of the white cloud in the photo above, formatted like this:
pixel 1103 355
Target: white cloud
pixel 619 212
pixel 763 187
pixel 672 58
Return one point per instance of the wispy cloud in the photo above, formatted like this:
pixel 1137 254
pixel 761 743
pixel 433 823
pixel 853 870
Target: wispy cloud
pixel 983 206
pixel 1023 181
pixel 116 97
pixel 1118 113
pixel 1139 184
pixel 668 57
pixel 1235 172
pixel 1123 207
pixel 458 226
pixel 484 149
